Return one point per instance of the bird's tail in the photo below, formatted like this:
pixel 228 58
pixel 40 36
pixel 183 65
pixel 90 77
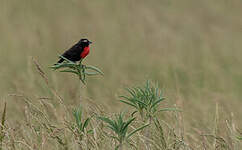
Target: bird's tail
pixel 61 60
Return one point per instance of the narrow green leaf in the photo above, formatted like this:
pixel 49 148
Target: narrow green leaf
pixel 108 121
pixel 134 113
pixel 239 138
pixel 86 123
pixel 70 71
pixel 83 81
pixel 114 129
pixel 90 131
pixel 140 102
pixel 63 65
pixel 136 130
pixel 82 77
pixel 131 91
pixel 120 122
pixel 125 97
pixel 127 123
pixel 114 137
pixel 156 102
pixel 95 69
pixel 91 73
pixel 131 100
pixel 169 109
pixel 128 103
pixel 144 93
pixel 78 117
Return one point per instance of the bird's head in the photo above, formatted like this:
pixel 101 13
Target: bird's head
pixel 84 42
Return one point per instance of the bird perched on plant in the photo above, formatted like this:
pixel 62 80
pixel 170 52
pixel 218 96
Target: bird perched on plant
pixel 77 52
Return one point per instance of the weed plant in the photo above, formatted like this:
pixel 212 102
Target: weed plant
pixel 120 129
pixel 77 68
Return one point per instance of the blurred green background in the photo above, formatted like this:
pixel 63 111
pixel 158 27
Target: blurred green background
pixel 192 49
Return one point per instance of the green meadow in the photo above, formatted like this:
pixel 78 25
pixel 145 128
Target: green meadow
pixel 190 50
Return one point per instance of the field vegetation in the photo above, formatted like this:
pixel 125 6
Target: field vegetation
pixel 172 75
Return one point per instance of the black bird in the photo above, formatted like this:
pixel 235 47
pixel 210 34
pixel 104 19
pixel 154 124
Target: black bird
pixel 77 52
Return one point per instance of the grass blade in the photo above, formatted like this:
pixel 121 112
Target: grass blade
pixel 133 105
pixel 95 69
pixel 239 138
pixel 131 91
pixel 108 121
pixel 127 123
pixel 70 71
pixel 140 102
pixel 169 109
pixel 85 123
pixel 91 73
pixel 156 102
pixel 136 130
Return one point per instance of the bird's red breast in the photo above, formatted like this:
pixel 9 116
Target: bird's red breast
pixel 85 52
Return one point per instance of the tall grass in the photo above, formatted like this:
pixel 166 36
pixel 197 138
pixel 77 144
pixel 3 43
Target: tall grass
pixel 2 125
pixel 192 49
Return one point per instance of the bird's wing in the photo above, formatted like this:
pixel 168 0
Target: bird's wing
pixel 70 52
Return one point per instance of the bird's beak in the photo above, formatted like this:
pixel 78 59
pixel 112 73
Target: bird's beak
pixel 90 42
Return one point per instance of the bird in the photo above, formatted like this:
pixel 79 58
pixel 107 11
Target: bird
pixel 77 52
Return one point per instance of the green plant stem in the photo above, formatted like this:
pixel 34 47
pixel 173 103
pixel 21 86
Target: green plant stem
pixel 81 82
pixel 121 146
pixel 147 135
pixel 161 131
pixel 81 91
